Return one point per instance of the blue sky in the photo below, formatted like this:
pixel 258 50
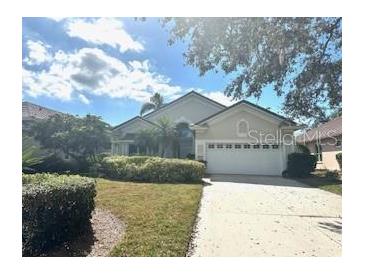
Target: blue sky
pixel 110 66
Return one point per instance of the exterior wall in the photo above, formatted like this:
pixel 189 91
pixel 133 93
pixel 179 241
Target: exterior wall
pixel 120 142
pixel 262 129
pixel 329 160
pixel 329 151
pixel 190 110
pixel 226 128
pixel 132 127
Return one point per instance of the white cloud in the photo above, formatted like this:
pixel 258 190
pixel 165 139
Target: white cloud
pixel 37 53
pixel 46 84
pixel 103 31
pixel 57 19
pixel 84 99
pixel 220 98
pixel 92 71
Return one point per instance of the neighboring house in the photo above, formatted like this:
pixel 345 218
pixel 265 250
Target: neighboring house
pixel 241 139
pixel 32 112
pixel 324 141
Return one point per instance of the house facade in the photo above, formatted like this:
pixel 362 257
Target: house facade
pixel 324 141
pixel 241 139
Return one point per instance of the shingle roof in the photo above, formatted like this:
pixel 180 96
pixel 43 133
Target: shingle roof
pixel 32 111
pixel 332 128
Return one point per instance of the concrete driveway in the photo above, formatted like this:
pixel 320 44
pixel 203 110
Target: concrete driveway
pixel 266 216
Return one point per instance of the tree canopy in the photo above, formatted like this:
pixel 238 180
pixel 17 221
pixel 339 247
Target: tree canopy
pixel 301 58
pixel 80 138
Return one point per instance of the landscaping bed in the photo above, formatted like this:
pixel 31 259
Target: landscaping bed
pixel 159 218
pixel 105 232
pixel 152 169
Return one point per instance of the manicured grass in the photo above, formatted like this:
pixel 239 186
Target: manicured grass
pixel 318 179
pixel 159 217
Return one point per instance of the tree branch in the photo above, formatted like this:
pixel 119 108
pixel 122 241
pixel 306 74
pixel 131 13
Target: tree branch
pixel 329 38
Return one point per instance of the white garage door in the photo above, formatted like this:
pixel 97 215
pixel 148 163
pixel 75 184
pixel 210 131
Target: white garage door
pixel 237 158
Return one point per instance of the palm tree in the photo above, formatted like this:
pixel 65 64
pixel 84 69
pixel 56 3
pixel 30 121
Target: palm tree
pixel 156 102
pixel 147 139
pixel 167 135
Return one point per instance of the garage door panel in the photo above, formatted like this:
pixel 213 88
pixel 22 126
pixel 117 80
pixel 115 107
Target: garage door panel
pixel 243 161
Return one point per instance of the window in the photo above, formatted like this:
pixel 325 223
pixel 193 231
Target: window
pixel 256 146
pixel 228 146
pixel 237 146
pixel 265 146
pixel 242 128
pixel 219 146
pixel 318 152
pixel 246 146
pixel 211 146
pixel 275 146
pixel 132 149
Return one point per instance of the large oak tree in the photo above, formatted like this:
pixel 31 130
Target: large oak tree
pixel 301 58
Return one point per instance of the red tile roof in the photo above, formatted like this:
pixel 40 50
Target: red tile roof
pixel 332 128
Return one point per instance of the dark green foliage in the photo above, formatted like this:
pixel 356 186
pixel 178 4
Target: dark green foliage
pixel 339 159
pixel 78 138
pixel 55 164
pixel 152 169
pixel 303 148
pixel 300 164
pixel 332 174
pixel 31 153
pixel 300 57
pixel 190 156
pixel 56 208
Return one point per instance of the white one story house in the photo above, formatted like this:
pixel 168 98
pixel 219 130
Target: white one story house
pixel 241 139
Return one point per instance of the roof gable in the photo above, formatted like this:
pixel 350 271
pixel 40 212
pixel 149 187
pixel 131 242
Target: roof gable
pixel 252 106
pixel 134 119
pixel 181 99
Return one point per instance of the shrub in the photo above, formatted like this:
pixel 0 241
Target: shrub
pixel 56 208
pixel 339 159
pixel 303 149
pixel 55 164
pixel 152 169
pixel 190 156
pixel 332 174
pixel 300 164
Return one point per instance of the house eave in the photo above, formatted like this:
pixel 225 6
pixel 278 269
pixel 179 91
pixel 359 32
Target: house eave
pixel 198 128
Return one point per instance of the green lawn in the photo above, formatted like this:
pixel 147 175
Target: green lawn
pixel 159 217
pixel 318 179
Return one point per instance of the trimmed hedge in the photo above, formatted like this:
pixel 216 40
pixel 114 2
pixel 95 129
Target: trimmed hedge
pixel 152 169
pixel 339 159
pixel 56 208
pixel 300 164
